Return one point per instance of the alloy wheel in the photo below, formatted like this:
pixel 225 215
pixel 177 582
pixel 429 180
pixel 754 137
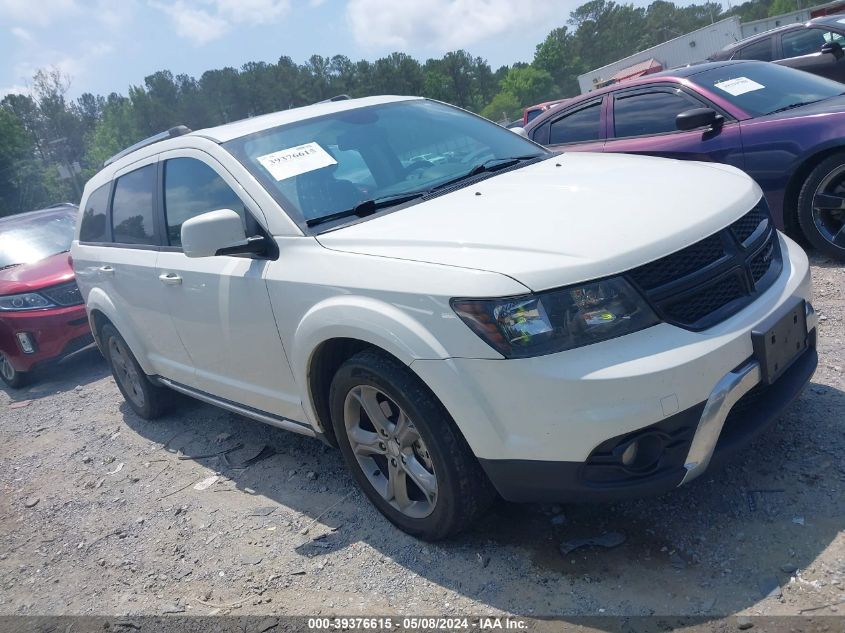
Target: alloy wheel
pixel 125 372
pixel 390 451
pixel 829 207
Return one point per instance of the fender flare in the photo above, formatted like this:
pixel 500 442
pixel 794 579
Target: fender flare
pixel 377 323
pixel 99 301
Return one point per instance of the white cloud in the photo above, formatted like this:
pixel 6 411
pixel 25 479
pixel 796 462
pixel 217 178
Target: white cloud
pixel 192 23
pixel 114 15
pixel 22 34
pixel 17 89
pixel 41 13
pixel 202 21
pixel 440 24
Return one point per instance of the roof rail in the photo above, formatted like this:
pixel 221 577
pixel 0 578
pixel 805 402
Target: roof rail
pixel 173 132
pixel 336 98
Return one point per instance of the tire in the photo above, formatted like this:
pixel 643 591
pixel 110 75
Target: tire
pixel 145 398
pixel 414 440
pixel 11 376
pixel 822 223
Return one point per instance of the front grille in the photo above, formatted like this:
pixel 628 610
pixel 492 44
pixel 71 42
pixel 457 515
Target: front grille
pixel 704 284
pixel 704 301
pixel 65 295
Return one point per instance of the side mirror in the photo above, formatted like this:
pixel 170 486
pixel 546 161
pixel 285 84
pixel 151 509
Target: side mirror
pixel 698 117
pixel 519 130
pixel 834 48
pixel 213 233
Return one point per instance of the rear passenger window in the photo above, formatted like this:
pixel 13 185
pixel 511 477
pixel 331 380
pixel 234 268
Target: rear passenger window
pixel 191 188
pixel 760 50
pixel 93 223
pixel 132 207
pixel 580 126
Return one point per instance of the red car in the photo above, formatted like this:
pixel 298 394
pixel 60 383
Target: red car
pixel 42 315
pixel 532 112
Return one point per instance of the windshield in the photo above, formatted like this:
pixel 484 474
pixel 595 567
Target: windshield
pixel 24 241
pixel 326 166
pixel 761 88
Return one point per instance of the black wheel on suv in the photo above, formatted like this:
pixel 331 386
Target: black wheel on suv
pixel 821 207
pixel 403 448
pixel 146 398
pixel 12 377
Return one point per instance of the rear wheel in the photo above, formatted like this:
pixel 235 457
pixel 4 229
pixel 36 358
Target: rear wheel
pixel 821 207
pixel 403 448
pixel 145 398
pixel 12 377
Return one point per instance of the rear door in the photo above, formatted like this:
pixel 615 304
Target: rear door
pixel 801 49
pixel 762 50
pixel 120 239
pixel 642 121
pixel 220 305
pixel 580 128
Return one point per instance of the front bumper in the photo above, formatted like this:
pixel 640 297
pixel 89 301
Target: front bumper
pixel 537 424
pixel 55 333
pixel 703 436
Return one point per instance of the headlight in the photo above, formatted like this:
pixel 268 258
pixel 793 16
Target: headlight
pixel 27 301
pixel 557 320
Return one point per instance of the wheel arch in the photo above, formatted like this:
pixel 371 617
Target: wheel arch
pixel 101 311
pixel 797 180
pixel 337 329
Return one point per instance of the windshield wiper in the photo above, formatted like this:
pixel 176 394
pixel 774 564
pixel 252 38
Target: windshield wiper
pixel 8 266
pixel 367 207
pixel 488 166
pixel 791 106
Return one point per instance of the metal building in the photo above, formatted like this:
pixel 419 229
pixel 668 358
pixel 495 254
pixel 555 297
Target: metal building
pixel 693 47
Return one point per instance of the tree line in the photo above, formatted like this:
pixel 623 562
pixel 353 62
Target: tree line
pixel 50 144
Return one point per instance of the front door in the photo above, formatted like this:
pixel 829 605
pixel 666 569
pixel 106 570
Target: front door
pixel 802 49
pixel 643 122
pixel 220 305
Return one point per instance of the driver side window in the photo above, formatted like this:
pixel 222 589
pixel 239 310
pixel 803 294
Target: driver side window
pixel 192 188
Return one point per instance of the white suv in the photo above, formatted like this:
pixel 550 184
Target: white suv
pixel 461 311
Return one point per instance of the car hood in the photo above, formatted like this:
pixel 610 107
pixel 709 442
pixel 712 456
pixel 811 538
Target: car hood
pixel 569 219
pixel 41 274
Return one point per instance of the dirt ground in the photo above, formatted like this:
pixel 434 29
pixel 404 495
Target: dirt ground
pixel 102 513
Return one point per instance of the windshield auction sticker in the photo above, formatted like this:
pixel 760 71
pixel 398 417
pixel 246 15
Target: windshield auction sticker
pixel 738 86
pixel 294 161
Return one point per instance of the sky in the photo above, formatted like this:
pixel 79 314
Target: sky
pixel 106 46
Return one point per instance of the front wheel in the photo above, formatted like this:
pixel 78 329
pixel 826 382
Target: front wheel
pixel 821 207
pixel 403 448
pixel 11 376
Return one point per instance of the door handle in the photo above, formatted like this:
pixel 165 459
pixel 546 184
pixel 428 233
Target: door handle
pixel 171 279
pixel 107 269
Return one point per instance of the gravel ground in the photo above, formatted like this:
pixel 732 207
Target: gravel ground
pixel 102 513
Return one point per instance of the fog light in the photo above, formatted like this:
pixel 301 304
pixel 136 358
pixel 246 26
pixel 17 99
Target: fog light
pixel 27 344
pixel 630 454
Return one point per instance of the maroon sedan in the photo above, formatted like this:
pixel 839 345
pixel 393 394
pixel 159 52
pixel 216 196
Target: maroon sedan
pixel 784 127
pixel 42 315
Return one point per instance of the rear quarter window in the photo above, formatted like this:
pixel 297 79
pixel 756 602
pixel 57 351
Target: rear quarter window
pixel 93 223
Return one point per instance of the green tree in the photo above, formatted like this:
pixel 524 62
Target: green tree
pixel 529 85
pixel 780 7
pixel 558 55
pixel 504 107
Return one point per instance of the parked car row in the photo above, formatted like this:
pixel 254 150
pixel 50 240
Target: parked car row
pixel 814 46
pixel 512 320
pixel 42 313
pixel 784 127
